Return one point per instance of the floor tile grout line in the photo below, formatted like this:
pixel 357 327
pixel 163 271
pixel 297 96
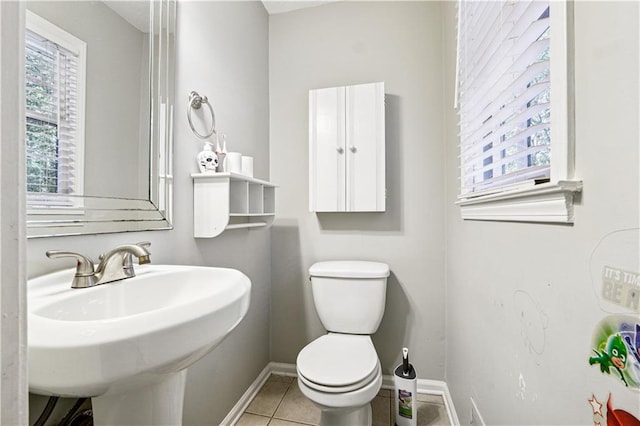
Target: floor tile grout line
pixel 273 416
pixel 281 399
pixel 294 421
pixel 270 417
pixel 285 419
pixel 290 421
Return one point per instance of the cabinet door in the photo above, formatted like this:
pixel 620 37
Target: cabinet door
pixel 365 147
pixel 327 150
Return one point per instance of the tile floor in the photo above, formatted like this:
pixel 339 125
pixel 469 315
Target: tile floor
pixel 280 403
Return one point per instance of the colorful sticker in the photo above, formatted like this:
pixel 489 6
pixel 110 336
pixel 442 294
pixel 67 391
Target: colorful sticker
pixel 609 415
pixel 616 349
pixel 621 287
pixel 615 271
pixel 404 404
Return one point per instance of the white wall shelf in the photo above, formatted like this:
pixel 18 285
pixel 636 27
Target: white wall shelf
pixel 224 201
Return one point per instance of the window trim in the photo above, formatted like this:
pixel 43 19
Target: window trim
pixel 37 202
pixel 550 202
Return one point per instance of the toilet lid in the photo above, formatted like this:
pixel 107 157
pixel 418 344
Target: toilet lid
pixel 349 269
pixel 338 360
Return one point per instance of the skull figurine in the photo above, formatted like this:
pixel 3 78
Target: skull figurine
pixel 207 161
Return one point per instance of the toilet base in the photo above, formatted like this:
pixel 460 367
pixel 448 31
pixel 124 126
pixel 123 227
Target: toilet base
pixel 360 416
pixel 344 409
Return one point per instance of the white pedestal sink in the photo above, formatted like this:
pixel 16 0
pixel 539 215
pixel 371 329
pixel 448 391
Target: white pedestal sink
pixel 127 344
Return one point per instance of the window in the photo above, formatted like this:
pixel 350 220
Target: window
pixel 513 96
pixel 54 76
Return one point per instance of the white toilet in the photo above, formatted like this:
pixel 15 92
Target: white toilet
pixel 340 371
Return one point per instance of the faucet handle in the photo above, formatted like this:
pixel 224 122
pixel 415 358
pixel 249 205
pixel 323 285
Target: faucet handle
pixel 84 276
pixel 84 265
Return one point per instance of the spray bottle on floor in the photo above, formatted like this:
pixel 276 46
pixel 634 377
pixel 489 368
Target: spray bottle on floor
pixel 406 386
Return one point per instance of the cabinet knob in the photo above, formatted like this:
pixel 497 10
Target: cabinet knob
pixel 340 150
pixel 352 149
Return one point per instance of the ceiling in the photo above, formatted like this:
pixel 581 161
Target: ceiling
pixel 134 12
pixel 282 6
pixel 137 12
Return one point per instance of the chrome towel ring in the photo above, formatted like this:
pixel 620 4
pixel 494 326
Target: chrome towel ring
pixel 195 102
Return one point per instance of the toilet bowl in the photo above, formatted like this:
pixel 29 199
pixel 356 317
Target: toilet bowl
pixel 340 374
pixel 347 409
pixel 340 371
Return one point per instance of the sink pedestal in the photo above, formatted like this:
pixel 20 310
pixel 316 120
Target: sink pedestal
pixel 160 403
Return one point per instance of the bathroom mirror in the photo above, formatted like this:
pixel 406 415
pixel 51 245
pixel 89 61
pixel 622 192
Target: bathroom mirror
pixel 99 116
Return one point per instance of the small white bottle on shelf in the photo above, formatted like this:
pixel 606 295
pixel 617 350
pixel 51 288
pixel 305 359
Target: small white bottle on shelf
pixel 207 159
pixel 221 154
pixel 224 152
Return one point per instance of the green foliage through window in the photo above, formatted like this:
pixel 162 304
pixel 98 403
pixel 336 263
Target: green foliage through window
pixel 42 128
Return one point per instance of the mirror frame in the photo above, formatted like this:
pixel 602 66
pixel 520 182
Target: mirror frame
pixel 100 215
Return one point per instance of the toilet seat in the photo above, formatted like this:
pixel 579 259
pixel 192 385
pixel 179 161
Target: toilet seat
pixel 339 389
pixel 337 363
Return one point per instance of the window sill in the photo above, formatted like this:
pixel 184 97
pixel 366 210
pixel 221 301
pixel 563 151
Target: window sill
pixel 545 203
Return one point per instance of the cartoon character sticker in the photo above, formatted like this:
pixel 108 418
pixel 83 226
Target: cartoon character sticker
pixel 616 349
pixel 634 343
pixel 615 272
pixel 611 416
pixel 614 355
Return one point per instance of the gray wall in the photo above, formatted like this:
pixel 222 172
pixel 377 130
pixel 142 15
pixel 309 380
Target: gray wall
pixel 347 43
pixel 222 50
pixel 522 299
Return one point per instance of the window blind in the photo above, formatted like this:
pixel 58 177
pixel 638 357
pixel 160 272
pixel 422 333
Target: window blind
pixel 51 115
pixel 503 94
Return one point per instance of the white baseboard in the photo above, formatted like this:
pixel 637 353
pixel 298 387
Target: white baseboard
pixel 451 409
pixel 246 398
pixel 432 387
pixel 283 369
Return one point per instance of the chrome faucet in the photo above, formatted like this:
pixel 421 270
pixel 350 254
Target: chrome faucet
pixel 114 265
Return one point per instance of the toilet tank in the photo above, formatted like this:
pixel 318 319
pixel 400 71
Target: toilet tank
pixel 349 295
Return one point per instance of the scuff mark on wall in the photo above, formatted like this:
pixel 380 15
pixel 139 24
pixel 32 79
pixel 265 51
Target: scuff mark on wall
pixel 522 387
pixel 533 322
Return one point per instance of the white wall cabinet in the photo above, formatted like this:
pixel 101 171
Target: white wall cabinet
pixel 347 149
pixel 224 201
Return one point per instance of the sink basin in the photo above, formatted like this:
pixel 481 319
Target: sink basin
pixel 121 339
